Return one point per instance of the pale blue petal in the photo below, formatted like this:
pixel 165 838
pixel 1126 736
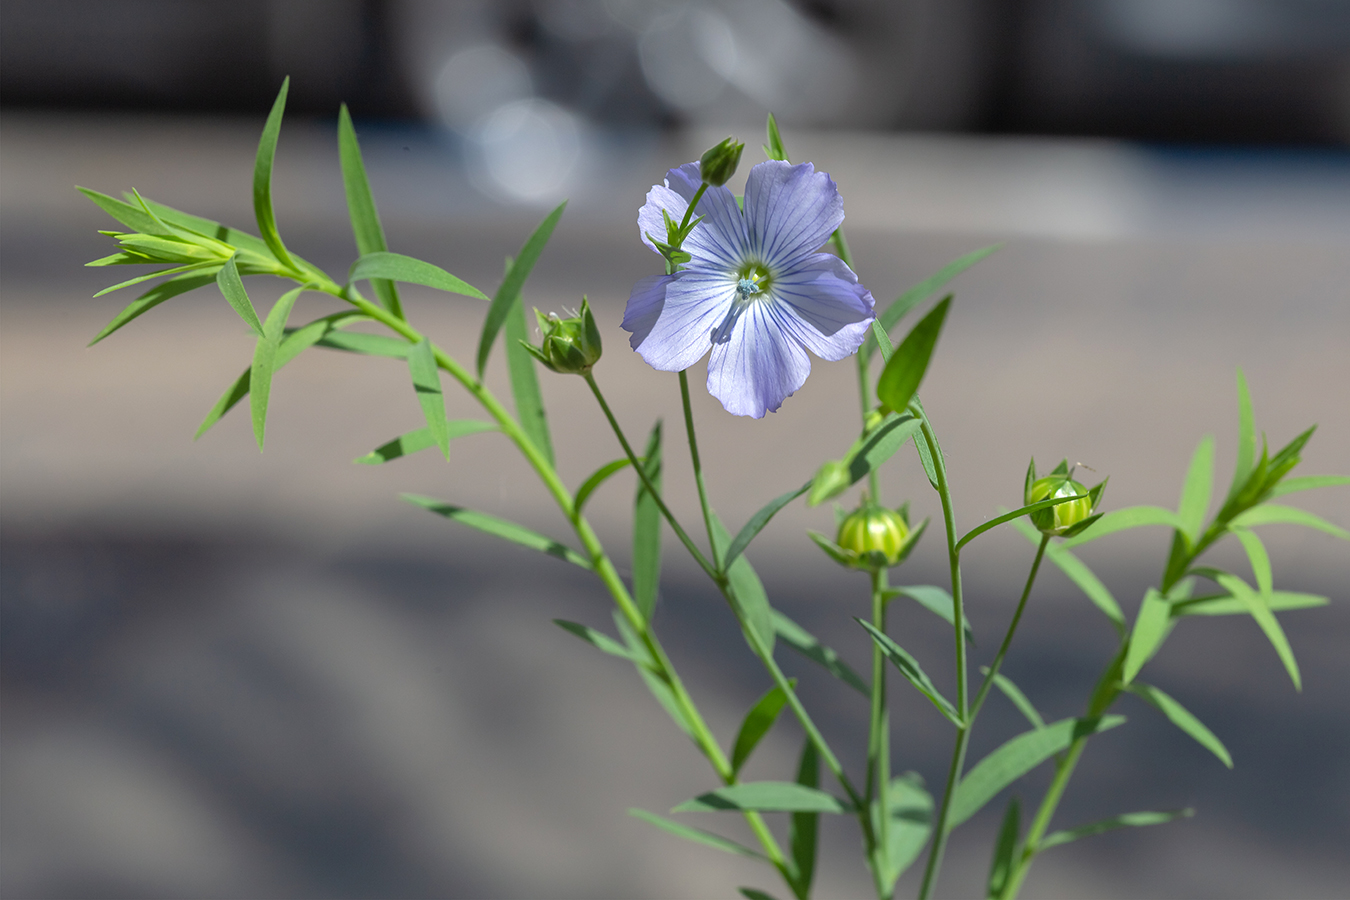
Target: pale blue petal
pixel 828 311
pixel 644 307
pixel 759 365
pixel 789 210
pixel 719 239
pixel 695 303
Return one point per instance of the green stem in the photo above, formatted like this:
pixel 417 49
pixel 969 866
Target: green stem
pixel 603 566
pixel 689 210
pixel 939 845
pixel 878 744
pixel 1007 638
pixel 698 468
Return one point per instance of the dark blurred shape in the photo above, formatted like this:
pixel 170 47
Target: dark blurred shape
pixel 1193 70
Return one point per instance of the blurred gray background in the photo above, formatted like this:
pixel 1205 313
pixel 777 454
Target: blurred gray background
pixel 233 675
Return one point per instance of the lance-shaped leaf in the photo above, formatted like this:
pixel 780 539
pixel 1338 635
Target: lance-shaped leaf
pixel 599 640
pixel 1184 719
pixel 766 796
pixel 1260 611
pixel 366 227
pixel 1129 820
pixel 426 379
pixel 774 149
pixel 1246 448
pixel 366 344
pixel 1014 759
pixel 647 530
pixel 1228 605
pixel 804 827
pixel 1016 513
pixel 758 521
pixel 1019 699
pixel 799 639
pixel 697 835
pixel 756 724
pixel 520 366
pixel 1308 483
pixel 909 667
pixel 921 292
pixel 881 445
pixel 421 439
pixel 265 360
pixel 233 288
pixel 179 284
pixel 911 822
pixel 750 893
pixel 1151 627
pixel 651 675
pixel 501 528
pixel 598 477
pixel 936 600
pixel 904 372
pixel 509 292
pixel 262 179
pixel 748 598
pixel 194 267
pixel 1275 514
pixel 1079 574
pixel 132 215
pixel 883 341
pixel 1004 849
pixel 1129 517
pixel 225 234
pixel 1257 555
pixel 1195 492
pixel 397 267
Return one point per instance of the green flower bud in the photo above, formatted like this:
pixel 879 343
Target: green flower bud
pixel 875 534
pixel 1061 518
pixel 719 164
pixel 570 346
pixel 831 479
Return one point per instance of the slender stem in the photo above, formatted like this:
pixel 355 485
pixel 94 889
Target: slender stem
pixel 689 210
pixel 1007 638
pixel 698 469
pixel 878 747
pixel 646 481
pixel 601 563
pixel 864 396
pixel 939 844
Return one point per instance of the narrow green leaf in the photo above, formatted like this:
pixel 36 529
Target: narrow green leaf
pixel 265 360
pixel 421 439
pixel 921 292
pixel 1260 611
pixel 914 674
pixel 525 383
pixel 167 290
pixel 1016 513
pixel 366 344
pixel 1275 514
pixel 750 893
pixel 804 827
pixel 1004 848
pixel 882 444
pixel 647 530
pixel 1016 758
pixel 758 521
pixel 799 639
pixel 774 149
pixel 1257 555
pixel 697 835
pixel 366 227
pixel 766 796
pixel 511 286
pixel 201 267
pixel 397 267
pixel 262 179
pixel 426 379
pixel 1129 820
pixel 656 683
pixel 233 288
pixel 1019 699
pixel 598 639
pixel 756 724
pixel 883 341
pixel 748 598
pixel 598 477
pixel 911 822
pixel 1246 448
pixel 1307 483
pixel 225 234
pixel 904 372
pixel 1151 627
pixel 1079 574
pixel 1129 517
pixel 1227 605
pixel 936 600
pixel 501 528
pixel 131 215
pixel 1196 491
pixel 1181 717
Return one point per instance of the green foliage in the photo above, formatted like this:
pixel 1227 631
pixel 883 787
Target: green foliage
pixel 756 724
pixel 774 148
pixel 900 306
pixel 421 439
pixel 748 597
pixel 766 796
pixel 914 674
pixel 804 827
pixel 1181 717
pixel 262 180
pixel 426 379
pixel 1128 820
pixel 799 639
pixel 265 360
pixel 366 227
pixel 501 528
pixel 1019 699
pixel 904 371
pixel 936 600
pixel 1005 847
pixel 647 530
pixel 697 835
pixel 597 478
pixel 508 294
pixel 757 523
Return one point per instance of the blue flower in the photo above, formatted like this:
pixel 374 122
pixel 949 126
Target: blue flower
pixel 756 292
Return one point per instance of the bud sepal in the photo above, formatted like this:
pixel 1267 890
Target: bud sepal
pixel 872 538
pixel 1071 517
pixel 570 346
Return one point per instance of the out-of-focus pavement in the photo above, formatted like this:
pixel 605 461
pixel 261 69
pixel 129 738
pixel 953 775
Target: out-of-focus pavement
pixel 228 674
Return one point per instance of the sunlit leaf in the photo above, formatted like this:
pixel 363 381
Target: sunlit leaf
pixel 1151 627
pixel 904 372
pixel 647 530
pixel 262 179
pixel 397 267
pixel 597 478
pixel 1129 517
pixel 365 218
pixel 509 292
pixel 758 521
pixel 756 724
pixel 747 591
pixel 1196 491
pixel 426 379
pixel 920 292
pixel 421 439
pixel 501 528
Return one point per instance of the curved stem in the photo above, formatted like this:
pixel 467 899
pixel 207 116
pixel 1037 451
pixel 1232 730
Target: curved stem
pixel 698 468
pixel 878 743
pixel 1007 638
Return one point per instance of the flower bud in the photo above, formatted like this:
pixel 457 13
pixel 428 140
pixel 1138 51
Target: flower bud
pixel 570 346
pixel 1064 516
pixel 719 164
pixel 875 534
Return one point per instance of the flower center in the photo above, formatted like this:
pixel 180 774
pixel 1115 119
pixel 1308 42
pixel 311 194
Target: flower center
pixel 754 279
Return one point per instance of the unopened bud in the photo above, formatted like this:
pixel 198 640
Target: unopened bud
pixel 719 164
pixel 878 537
pixel 570 346
pixel 1060 518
